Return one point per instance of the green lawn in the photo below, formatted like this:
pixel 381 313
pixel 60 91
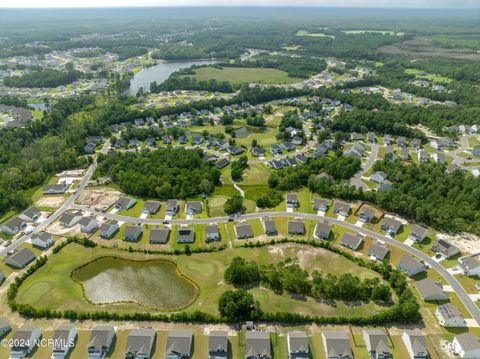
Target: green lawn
pixel 51 286
pixel 313 34
pixel 238 75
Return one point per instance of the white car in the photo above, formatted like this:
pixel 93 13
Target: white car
pixel 28 230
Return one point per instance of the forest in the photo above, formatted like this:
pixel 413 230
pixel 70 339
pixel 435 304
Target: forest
pixel 166 173
pixel 43 78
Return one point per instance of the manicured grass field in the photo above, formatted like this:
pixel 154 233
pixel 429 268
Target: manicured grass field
pixel 205 269
pixel 238 75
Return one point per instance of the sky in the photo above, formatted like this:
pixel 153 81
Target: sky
pixel 330 3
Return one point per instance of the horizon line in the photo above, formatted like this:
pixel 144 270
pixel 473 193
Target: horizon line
pixel 233 6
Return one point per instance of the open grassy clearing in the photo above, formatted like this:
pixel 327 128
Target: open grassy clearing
pixel 206 269
pixel 430 77
pixel 366 31
pixel 238 75
pixel 313 34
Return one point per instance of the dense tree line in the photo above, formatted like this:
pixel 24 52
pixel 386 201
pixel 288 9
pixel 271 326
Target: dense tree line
pixel 165 173
pixel 186 82
pixel 299 66
pixel 43 78
pixel 290 277
pixel 270 199
pixel 427 194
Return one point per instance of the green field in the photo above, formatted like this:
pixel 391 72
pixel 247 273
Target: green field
pixel 430 77
pixel 51 286
pixel 238 75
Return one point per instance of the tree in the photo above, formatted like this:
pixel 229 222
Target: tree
pixel 234 205
pixel 238 305
pixel 239 272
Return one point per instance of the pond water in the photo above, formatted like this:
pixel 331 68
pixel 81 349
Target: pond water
pixel 153 283
pixel 242 132
pixel 160 73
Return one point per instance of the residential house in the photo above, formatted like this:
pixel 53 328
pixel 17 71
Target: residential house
pixel 132 233
pixel 21 258
pixel 236 150
pixel 371 137
pixel 352 241
pixel 297 140
pixel 151 207
pixel 417 143
pixel 322 230
pixel 221 163
pixel 385 186
pixel 296 227
pixel 24 341
pixel 89 148
pixel 387 140
pixel 172 207
pixel 422 156
pixel 63 339
pixel 414 341
pixel 438 157
pixel 13 226
pixel 391 225
pixel 417 234
pixel 287 146
pixel 341 208
pixel 436 144
pixel 320 204
pixel 378 177
pixel 100 341
pixel 257 345
pixel 297 344
pixel 192 208
pixel 258 152
pixel 275 149
pixel 276 164
pixel 376 342
pixel 404 154
pixel 4 327
pixel 430 290
pixel 108 229
pixel 124 203
pixel 179 344
pixel 159 235
pixel 476 150
pixel 218 345
pixel 466 346
pixel 445 248
pixel 337 345
pixel 42 240
pixel 401 141
pixel 59 188
pixel 300 158
pixel 291 200
pixel 185 235
pixel 212 233
pixel 325 176
pixel 269 227
pixel 69 219
pixel 378 251
pixel 470 264
pixel 289 162
pixel 356 136
pixel 243 230
pixel 411 266
pixel 449 317
pixel 366 214
pixel 31 214
pixel 197 140
pixel 88 224
pixel 140 344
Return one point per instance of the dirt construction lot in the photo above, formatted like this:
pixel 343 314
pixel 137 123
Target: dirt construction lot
pixel 102 198
pixel 53 201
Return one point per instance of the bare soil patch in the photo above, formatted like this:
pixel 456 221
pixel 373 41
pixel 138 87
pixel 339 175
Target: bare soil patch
pixel 54 201
pixel 102 198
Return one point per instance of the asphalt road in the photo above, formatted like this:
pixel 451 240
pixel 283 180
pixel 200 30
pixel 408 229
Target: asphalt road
pixel 357 179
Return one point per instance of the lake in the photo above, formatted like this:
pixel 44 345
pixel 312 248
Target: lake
pixel 154 283
pixel 160 73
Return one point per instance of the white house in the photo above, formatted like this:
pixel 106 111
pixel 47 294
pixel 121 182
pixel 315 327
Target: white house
pixel 108 229
pixel 24 341
pixel 70 219
pixel 466 346
pixel 414 341
pixel 449 317
pixel 64 338
pixel 88 224
pixel 42 240
pixel 470 265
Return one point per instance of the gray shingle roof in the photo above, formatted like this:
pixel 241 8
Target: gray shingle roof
pixel 257 343
pixel 179 341
pixel 140 341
